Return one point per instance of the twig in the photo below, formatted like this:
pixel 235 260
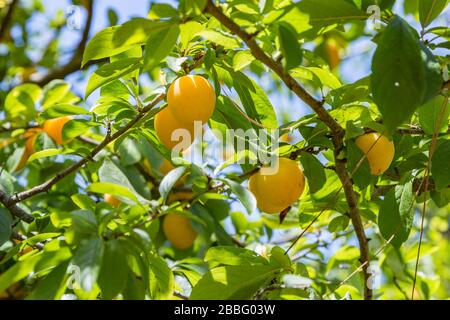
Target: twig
pixel 108 139
pixel 21 237
pixel 180 295
pixel 427 177
pixel 7 19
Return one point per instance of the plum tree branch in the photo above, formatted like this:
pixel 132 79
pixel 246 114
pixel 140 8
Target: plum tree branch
pixel 15 210
pixel 21 237
pixel 108 139
pixel 7 19
pixel 73 168
pixel 318 107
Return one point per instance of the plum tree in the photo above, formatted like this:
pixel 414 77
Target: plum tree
pixel 112 205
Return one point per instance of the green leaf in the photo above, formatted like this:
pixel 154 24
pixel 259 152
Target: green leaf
pixel 23 268
pixel 430 10
pixel 233 282
pixel 289 45
pixel 279 258
pixel 162 10
pixel 433 77
pixel 192 7
pixel 347 253
pixel 239 221
pixel 361 176
pixel 46 153
pixel 232 256
pixel 113 189
pixel 255 101
pixel 129 151
pixel 221 38
pixel 114 269
pixel 109 172
pixel 441 31
pixel 242 59
pixel 83 201
pixel 6 182
pixel 440 165
pixel 226 116
pixel 318 76
pixel 339 223
pixel 396 215
pixel 188 31
pixel 61 110
pixel 245 196
pixel 83 222
pixel 354 92
pixel 54 92
pixel 77 127
pixel 102 45
pixel 325 12
pixel 20 103
pixel 161 279
pixel 314 172
pixel 88 258
pixel 160 45
pixel 117 39
pixel 398 74
pixel 441 198
pixel 170 180
pixel 430 114
pixel 110 72
pixel 5 226
pixel 52 287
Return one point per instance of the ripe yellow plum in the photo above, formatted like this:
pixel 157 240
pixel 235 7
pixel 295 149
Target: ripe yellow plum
pixel 378 150
pixel 179 231
pixel 278 191
pixel 191 98
pixel 166 124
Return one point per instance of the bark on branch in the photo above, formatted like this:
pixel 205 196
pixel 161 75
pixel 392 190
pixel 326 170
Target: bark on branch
pixel 7 19
pixel 15 210
pixel 75 62
pixel 73 168
pixel 324 116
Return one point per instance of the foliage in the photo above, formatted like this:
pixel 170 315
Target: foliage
pixel 60 239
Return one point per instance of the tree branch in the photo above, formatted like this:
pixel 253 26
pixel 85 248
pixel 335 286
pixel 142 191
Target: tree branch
pixel 324 116
pixel 15 210
pixel 7 19
pixel 108 139
pixel 21 237
pixel 75 62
